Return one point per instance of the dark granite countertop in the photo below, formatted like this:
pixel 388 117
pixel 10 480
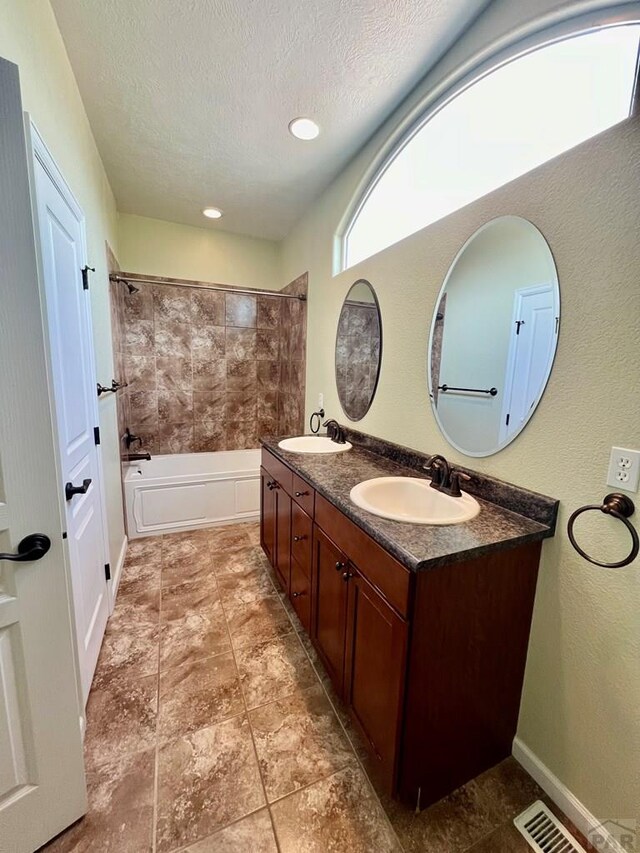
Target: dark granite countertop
pixel 501 523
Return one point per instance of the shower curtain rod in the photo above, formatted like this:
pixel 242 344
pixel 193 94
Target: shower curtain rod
pixel 224 289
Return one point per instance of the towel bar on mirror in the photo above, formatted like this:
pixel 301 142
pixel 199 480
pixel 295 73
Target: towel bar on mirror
pixel 619 506
pixel 491 391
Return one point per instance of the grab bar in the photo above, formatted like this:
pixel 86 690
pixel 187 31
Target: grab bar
pixel 492 391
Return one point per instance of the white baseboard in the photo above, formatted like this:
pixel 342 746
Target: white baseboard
pixel 117 573
pixel 577 813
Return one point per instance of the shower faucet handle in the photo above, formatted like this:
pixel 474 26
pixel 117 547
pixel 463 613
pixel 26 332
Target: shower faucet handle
pixel 130 438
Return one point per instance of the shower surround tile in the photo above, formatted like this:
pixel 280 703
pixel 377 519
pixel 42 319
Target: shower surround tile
pixel 207 370
pixel 173 374
pixel 240 309
pixel 208 308
pixel 208 342
pixel 241 344
pixel 268 312
pixel 174 407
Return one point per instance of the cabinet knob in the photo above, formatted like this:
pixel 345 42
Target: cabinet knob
pixel 346 576
pixel 301 494
pixel 340 566
pixel 299 538
pixel 296 594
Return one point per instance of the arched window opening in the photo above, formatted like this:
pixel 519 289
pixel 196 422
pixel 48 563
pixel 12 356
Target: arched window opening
pixel 504 124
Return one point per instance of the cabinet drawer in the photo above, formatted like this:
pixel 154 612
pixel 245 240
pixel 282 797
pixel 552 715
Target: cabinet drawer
pixel 278 470
pixel 382 570
pixel 301 594
pixel 303 494
pixel 301 535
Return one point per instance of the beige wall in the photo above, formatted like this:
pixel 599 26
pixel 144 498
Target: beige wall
pixel 155 247
pixel 579 712
pixel 29 36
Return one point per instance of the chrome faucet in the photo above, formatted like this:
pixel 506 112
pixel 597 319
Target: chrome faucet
pixel 444 478
pixel 335 431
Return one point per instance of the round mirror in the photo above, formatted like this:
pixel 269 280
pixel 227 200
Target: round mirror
pixel 493 336
pixel 358 350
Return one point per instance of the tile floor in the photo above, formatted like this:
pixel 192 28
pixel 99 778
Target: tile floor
pixel 211 726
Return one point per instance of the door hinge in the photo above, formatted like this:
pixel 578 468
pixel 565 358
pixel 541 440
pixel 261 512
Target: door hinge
pixel 96 435
pixel 507 421
pixel 107 571
pixel 85 276
pixel 557 324
pixel 518 324
pixel 64 534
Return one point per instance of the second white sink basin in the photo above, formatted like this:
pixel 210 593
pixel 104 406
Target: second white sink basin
pixel 412 500
pixel 313 444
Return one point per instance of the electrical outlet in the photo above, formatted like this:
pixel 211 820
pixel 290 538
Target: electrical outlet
pixel 624 469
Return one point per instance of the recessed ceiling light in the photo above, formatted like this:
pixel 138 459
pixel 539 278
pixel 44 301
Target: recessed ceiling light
pixel 212 212
pixel 303 128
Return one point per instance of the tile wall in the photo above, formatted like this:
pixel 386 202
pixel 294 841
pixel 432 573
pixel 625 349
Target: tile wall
pixel 208 370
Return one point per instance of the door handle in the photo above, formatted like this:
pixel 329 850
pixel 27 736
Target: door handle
pixel 70 490
pixel 32 547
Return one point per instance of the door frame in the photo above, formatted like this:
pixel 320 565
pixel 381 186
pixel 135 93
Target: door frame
pixel 37 149
pixel 511 356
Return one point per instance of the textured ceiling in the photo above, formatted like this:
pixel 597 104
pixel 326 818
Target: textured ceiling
pixel 189 100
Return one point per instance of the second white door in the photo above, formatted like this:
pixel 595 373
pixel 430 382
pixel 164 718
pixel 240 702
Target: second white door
pixel 61 233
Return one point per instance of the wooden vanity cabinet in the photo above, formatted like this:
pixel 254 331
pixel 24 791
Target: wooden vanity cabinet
pixel 329 591
pixel 362 642
pixel 375 660
pixel 429 664
pixel 275 525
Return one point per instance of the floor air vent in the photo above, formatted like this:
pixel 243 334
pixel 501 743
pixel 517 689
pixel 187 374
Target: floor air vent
pixel 544 832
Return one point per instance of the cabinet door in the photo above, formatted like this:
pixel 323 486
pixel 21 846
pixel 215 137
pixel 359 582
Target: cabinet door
pixel 374 671
pixel 268 516
pixel 283 536
pixel 329 605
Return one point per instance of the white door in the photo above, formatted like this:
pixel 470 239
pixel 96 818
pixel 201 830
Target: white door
pixel 67 310
pixel 535 327
pixel 42 787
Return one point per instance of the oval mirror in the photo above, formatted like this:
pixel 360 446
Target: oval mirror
pixel 493 336
pixel 358 350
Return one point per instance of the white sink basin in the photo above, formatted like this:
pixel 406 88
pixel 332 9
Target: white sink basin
pixel 313 444
pixel 412 500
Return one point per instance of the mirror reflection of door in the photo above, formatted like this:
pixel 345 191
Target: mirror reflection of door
pixel 530 354
pixel 491 353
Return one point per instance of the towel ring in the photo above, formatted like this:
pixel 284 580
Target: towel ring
pixel 619 506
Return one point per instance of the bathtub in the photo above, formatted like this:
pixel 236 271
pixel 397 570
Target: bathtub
pixel 191 490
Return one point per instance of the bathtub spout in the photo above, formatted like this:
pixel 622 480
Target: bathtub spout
pixel 135 457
